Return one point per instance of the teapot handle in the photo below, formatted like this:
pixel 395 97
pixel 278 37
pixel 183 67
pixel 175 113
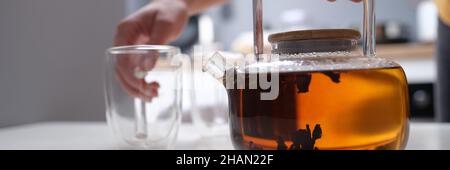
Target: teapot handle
pixel 369 32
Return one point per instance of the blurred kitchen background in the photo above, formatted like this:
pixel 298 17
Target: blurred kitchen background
pixel 52 51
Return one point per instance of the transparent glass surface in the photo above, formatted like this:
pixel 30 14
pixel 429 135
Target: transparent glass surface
pixel 143 95
pixel 210 102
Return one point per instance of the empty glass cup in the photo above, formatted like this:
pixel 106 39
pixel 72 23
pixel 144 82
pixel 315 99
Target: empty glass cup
pixel 143 95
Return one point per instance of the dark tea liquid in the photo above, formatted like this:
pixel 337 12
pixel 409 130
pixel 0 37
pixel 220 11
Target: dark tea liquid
pixel 324 110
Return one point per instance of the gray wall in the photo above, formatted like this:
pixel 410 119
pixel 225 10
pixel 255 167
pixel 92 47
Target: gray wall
pixel 51 55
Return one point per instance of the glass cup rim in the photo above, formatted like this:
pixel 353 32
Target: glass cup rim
pixel 143 49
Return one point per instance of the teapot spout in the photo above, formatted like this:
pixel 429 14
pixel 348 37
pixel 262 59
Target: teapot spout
pixel 220 62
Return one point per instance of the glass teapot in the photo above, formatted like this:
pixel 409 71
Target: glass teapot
pixel 315 92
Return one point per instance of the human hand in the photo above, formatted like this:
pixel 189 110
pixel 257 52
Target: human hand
pixel 160 22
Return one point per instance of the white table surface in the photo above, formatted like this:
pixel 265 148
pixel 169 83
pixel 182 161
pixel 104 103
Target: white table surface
pixel 97 136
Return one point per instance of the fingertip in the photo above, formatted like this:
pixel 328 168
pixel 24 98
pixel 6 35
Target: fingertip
pixel 154 85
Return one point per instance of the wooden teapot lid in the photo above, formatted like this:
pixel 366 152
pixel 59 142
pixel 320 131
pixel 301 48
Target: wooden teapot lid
pixel 315 35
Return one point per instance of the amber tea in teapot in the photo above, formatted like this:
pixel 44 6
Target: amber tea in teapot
pixel 352 108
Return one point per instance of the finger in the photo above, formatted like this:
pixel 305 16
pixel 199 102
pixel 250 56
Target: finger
pixel 149 61
pixel 166 28
pixel 135 29
pixel 150 91
pixel 138 87
pixel 127 87
pixel 161 33
pixel 127 33
pixel 154 86
pixel 132 91
pixel 144 62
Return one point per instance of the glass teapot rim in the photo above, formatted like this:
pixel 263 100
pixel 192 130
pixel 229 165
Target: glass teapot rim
pixel 218 64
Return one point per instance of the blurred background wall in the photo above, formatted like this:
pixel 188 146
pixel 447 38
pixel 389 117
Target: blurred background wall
pixel 237 17
pixel 52 51
pixel 51 55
